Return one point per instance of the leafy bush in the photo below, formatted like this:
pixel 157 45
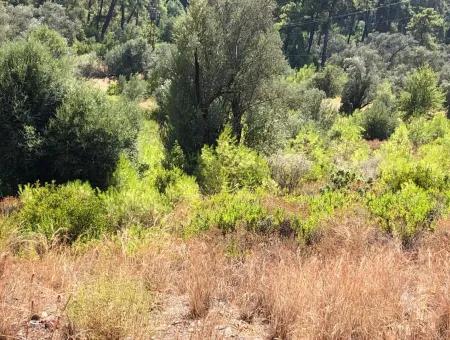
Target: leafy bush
pixel 380 120
pixel 421 94
pixel 89 65
pixel 330 80
pixel 288 169
pixel 55 43
pixel 135 88
pixel 423 131
pixel 32 86
pixel 404 213
pixel 133 56
pixel 87 135
pixel 229 211
pixel 231 166
pixel 110 308
pixel 63 213
pixel 314 146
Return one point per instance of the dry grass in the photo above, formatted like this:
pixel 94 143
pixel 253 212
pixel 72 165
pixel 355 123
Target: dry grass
pixel 353 283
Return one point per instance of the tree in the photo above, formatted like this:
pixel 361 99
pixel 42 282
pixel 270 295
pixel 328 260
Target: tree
pixel 227 51
pixel 421 94
pixel 31 89
pixel 425 26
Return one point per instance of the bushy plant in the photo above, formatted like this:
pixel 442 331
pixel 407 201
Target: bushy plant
pixel 55 43
pixel 330 80
pixel 230 211
pixel 133 56
pixel 231 166
pixel 288 170
pixel 135 88
pixel 404 213
pixel 314 145
pixel 421 94
pixel 380 120
pixel 32 86
pixel 87 135
pixel 63 213
pixel 423 131
pixel 110 308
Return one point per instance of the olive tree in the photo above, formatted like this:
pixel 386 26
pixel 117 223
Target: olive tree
pixel 227 51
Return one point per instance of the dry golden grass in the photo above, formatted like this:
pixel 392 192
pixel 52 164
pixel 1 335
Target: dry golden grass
pixel 354 282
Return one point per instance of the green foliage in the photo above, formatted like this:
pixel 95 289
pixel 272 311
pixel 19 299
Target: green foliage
pixel 55 43
pixel 110 308
pixel 32 85
pixel 231 166
pixel 63 213
pixel 289 169
pixel 404 213
pixel 380 119
pixel 135 88
pixel 362 80
pixel 87 135
pixel 131 57
pixel 330 80
pixel 421 94
pixel 229 211
pixel 313 145
pixel 425 26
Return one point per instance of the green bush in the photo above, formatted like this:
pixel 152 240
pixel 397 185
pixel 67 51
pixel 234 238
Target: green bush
pixel 421 94
pixel 231 166
pixel 230 211
pixel 135 88
pixel 133 56
pixel 55 43
pixel 288 170
pixel 111 308
pixel 330 80
pixel 380 120
pixel 63 213
pixel 32 86
pixel 404 213
pixel 87 135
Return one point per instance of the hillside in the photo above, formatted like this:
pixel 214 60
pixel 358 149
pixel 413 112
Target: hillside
pixel 224 169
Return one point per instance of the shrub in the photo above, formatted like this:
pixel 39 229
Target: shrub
pixel 133 56
pixel 231 166
pixel 32 86
pixel 380 120
pixel 230 211
pixel 87 135
pixel 135 88
pixel 288 169
pixel 63 213
pixel 404 213
pixel 423 131
pixel 89 65
pixel 330 80
pixel 314 146
pixel 55 43
pixel 421 94
pixel 110 308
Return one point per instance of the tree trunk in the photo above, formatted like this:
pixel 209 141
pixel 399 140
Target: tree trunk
pixel 237 119
pixel 350 30
pixel 326 36
pixel 99 15
pixel 366 26
pixel 89 11
pixel 311 34
pixel 108 18
pixel 122 14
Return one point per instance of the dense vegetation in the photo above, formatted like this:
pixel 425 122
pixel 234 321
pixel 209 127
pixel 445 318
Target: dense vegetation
pixel 274 118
